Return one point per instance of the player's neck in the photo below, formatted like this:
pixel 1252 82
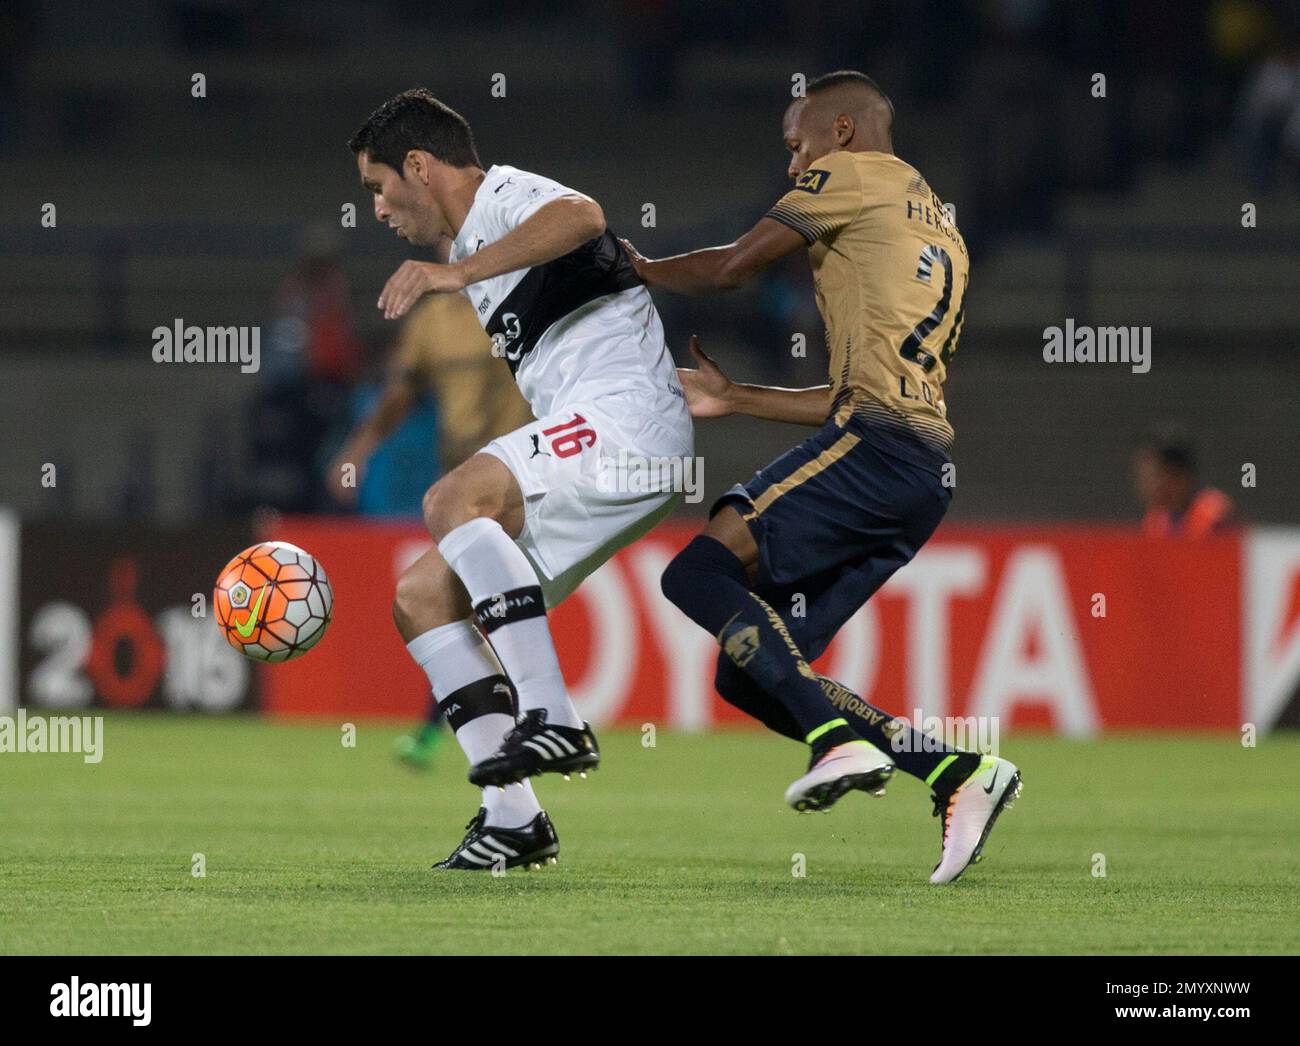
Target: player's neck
pixel 458 196
pixel 871 145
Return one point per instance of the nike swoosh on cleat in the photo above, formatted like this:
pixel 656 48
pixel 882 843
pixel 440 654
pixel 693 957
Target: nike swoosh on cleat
pixel 246 629
pixel 989 789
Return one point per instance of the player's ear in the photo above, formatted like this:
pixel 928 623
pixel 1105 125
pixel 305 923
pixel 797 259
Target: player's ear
pixel 417 166
pixel 843 129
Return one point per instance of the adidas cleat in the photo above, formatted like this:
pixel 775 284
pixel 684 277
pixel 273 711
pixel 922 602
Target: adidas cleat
pixel 839 771
pixel 969 812
pixel 486 847
pixel 535 747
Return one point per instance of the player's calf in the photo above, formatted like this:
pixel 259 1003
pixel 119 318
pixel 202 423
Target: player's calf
pixel 709 583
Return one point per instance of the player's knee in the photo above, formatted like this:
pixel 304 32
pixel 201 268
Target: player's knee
pixel 678 579
pixel 474 490
pixel 437 509
pixel 687 576
pixel 447 504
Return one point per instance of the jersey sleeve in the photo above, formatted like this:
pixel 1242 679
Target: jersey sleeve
pixel 826 198
pixel 523 194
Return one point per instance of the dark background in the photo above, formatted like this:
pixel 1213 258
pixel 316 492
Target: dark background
pixel 1123 210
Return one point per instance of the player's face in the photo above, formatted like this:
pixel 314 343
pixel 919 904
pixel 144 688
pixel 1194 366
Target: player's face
pixel 803 138
pixel 399 203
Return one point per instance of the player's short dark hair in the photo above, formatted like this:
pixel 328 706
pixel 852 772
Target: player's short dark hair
pixel 848 77
pixel 415 119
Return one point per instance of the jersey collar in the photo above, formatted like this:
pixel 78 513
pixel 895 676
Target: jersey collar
pixel 461 245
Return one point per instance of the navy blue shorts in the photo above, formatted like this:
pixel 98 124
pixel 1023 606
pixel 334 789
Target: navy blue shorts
pixel 835 517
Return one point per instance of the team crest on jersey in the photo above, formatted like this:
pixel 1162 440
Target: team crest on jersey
pixel 812 180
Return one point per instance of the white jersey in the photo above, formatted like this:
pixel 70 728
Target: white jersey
pixel 573 329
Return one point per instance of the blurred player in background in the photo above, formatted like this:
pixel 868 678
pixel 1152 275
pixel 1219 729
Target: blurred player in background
pixel 523 522
pixel 441 350
pixel 825 525
pixel 1165 479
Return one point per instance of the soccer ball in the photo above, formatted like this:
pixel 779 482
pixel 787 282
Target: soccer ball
pixel 273 601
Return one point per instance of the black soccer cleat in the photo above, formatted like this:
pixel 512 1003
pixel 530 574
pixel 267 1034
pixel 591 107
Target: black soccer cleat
pixel 486 848
pixel 535 747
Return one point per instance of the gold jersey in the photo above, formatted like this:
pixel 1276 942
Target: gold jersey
pixel 890 271
pixel 443 347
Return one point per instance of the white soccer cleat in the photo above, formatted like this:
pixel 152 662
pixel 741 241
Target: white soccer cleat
pixel 843 768
pixel 969 812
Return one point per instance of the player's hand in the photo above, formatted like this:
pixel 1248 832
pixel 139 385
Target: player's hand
pixel 413 280
pixel 639 261
pixel 356 454
pixel 708 390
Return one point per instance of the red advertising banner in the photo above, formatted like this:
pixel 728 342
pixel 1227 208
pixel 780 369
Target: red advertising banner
pixel 1070 628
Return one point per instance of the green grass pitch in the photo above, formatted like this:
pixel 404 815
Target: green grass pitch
pixel 686 847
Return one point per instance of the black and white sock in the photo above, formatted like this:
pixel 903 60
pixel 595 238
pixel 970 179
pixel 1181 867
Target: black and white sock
pixel 508 601
pixel 475 695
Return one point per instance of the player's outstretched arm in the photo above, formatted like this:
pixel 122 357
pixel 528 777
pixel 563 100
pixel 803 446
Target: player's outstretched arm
pixel 711 394
pixel 720 268
pixel 399 398
pixel 552 232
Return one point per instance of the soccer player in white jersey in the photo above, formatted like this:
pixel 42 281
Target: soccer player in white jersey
pixel 519 525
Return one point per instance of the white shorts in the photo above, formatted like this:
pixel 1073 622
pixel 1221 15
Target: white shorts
pixel 595 477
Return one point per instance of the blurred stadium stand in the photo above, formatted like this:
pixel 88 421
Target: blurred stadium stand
pixel 1120 211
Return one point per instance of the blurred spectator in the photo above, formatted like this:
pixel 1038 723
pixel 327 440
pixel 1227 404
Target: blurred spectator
pixel 1268 117
pixel 310 360
pixel 1164 477
pixel 442 350
pixel 312 335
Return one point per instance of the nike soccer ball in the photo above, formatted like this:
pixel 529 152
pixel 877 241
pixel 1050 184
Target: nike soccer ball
pixel 273 601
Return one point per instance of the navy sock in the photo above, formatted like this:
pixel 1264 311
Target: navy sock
pixel 927 758
pixel 709 585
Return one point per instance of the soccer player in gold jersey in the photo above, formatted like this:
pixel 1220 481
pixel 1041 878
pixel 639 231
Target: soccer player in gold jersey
pixel 828 522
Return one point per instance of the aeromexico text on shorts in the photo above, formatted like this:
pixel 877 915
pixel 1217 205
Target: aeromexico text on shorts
pixel 38 734
pixel 181 344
